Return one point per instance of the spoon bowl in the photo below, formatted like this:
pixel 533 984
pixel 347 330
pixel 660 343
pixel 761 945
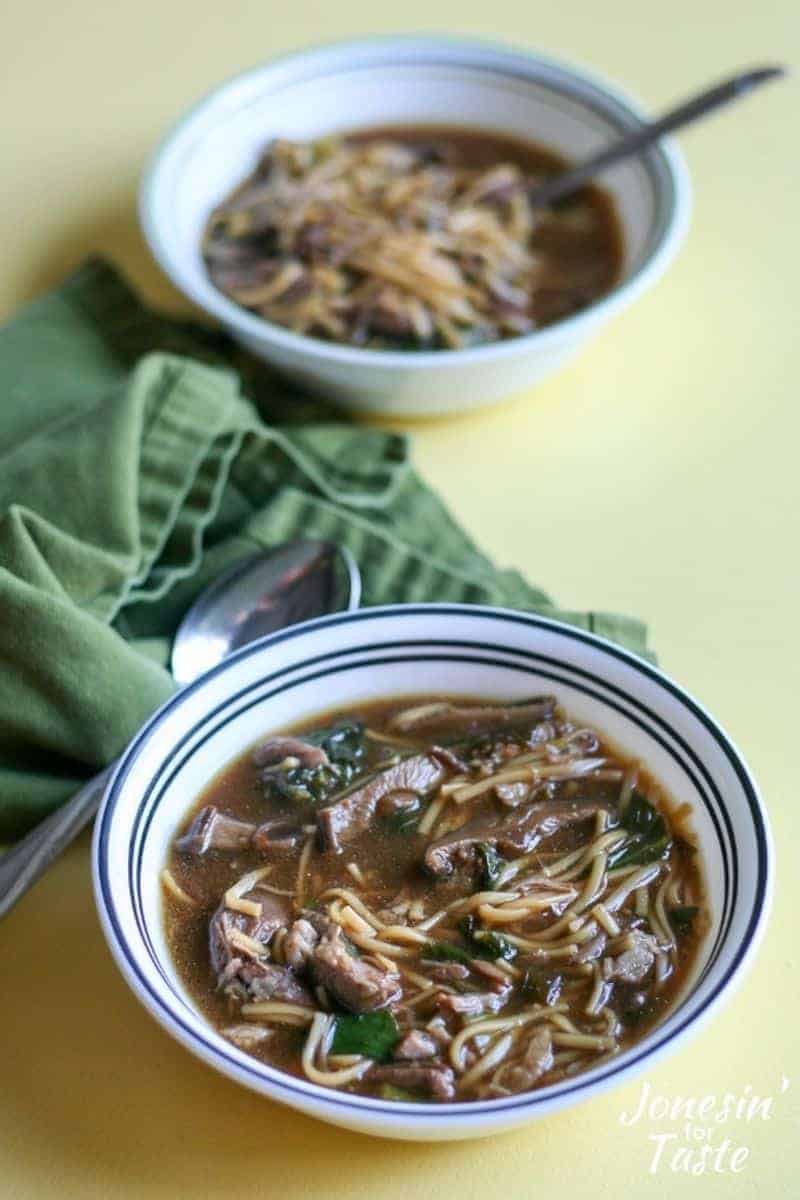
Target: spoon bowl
pixel 292 583
pixel 289 584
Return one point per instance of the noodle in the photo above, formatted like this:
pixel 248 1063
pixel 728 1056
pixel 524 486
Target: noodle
pixel 321 1028
pixel 174 888
pixel 490 1060
pixel 529 969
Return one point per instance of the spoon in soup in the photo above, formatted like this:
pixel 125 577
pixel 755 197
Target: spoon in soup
pixel 561 186
pixel 289 584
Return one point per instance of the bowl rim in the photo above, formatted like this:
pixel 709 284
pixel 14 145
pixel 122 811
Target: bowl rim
pixel 317 1100
pixel 506 56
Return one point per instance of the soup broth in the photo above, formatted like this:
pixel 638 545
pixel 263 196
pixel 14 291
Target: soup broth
pixel 435 899
pixel 411 238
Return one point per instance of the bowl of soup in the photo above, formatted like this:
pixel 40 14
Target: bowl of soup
pixel 432 871
pixel 358 216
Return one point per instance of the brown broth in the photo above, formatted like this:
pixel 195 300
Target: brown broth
pixel 277 256
pixel 390 860
pixel 581 267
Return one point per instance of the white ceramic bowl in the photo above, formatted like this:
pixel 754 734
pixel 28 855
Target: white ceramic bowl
pixel 407 80
pixel 435 648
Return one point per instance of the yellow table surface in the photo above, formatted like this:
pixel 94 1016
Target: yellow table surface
pixel 658 475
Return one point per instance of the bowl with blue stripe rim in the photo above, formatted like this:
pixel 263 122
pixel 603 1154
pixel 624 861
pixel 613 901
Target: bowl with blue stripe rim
pixel 353 658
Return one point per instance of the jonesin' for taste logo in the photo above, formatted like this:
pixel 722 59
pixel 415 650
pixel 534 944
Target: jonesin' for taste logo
pixel 699 1135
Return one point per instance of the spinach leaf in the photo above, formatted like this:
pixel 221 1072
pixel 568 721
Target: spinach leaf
pixel 447 952
pixel 543 987
pixel 343 742
pixel 682 917
pixel 484 944
pixel 493 865
pixel 493 946
pixel 388 1091
pixel 650 834
pixel 638 853
pixel 373 1034
pixel 405 821
pixel 641 817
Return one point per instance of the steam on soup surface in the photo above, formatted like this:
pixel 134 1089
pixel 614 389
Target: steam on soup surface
pixel 434 899
pixel 412 239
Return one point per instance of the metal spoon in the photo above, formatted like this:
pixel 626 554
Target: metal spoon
pixel 292 583
pixel 633 143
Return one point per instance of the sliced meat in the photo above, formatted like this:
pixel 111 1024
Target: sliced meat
pixel 416 1044
pixel 352 814
pixel 538 1059
pixel 396 803
pixel 445 972
pixel 636 963
pixel 512 794
pixel 275 749
pixel 276 836
pixel 436 1081
pixel 589 951
pixel 213 830
pixel 471 1004
pixel 449 758
pixel 247 1036
pixel 467 719
pixel 299 943
pixel 269 981
pixel 234 937
pixel 510 836
pixel 356 984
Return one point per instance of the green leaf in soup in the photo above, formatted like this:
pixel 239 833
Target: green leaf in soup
pixel 493 946
pixel 446 952
pixel 389 1091
pixel 493 865
pixel 372 1034
pixel 484 944
pixel 682 917
pixel 640 852
pixel 405 822
pixel 343 742
pixel 642 817
pixel 543 986
pixel 650 836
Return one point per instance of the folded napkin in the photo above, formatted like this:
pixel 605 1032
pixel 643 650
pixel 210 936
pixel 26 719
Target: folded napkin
pixel 138 458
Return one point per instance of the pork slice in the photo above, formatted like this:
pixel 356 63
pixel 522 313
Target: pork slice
pixel 276 836
pixel 235 969
pixel 468 719
pixel 434 1080
pixel 537 1059
pixel 356 984
pixel 214 830
pixel 269 981
pixel 636 963
pixel 416 1044
pixel 445 972
pixel 299 943
pixel 510 836
pixel 472 1004
pixel 275 749
pixel 247 1036
pixel 353 813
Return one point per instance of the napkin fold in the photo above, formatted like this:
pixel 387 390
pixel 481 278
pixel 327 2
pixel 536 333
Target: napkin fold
pixel 139 457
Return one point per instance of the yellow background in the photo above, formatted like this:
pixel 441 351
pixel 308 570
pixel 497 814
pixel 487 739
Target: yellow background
pixel 658 475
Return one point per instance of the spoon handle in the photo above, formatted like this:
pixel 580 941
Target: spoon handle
pixel 633 143
pixel 22 865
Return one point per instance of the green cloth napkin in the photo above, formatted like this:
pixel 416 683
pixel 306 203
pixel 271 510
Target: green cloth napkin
pixel 140 456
